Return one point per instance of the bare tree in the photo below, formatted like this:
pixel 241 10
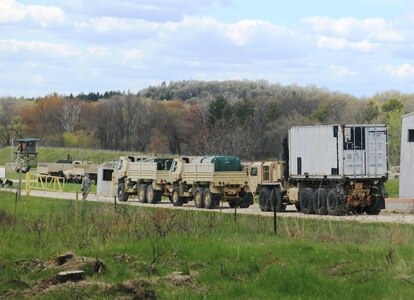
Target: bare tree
pixel 69 114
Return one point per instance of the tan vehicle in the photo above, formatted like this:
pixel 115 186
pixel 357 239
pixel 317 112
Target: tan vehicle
pixel 266 179
pixel 72 171
pixel 212 179
pixel 206 180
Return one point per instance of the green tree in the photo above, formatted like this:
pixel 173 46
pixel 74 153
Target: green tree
pixel 219 109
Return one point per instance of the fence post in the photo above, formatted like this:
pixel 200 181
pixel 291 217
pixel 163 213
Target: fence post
pixel 76 212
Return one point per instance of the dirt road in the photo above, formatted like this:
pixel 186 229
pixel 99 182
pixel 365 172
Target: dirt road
pixel 384 217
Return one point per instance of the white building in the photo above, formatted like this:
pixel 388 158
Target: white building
pixel 407 157
pixel 104 183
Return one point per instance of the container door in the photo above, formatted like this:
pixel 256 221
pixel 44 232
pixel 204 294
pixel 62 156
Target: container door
pixel 354 151
pixel 376 151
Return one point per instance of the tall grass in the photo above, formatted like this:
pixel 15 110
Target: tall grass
pixel 225 257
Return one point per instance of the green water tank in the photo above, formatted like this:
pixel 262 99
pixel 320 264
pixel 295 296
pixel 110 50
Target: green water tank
pixel 223 163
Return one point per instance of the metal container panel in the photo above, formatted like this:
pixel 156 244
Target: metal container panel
pixel 354 151
pixel 313 150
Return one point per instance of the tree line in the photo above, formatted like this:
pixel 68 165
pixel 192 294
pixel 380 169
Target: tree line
pixel 244 118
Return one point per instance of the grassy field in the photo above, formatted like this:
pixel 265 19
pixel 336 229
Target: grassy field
pixel 51 154
pixel 392 186
pixel 134 252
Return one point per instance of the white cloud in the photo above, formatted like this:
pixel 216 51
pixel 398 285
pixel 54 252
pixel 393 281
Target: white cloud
pixel 36 47
pixel 344 44
pixel 376 29
pixel 12 11
pixel 133 54
pixel 402 71
pixel 341 71
pixel 149 10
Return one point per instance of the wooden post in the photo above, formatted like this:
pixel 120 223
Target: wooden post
pixel 76 213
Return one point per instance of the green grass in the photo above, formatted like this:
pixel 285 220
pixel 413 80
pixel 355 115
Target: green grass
pixel 392 186
pixel 227 257
pixel 51 154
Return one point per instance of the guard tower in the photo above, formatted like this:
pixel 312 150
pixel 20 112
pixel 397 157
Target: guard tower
pixel 26 154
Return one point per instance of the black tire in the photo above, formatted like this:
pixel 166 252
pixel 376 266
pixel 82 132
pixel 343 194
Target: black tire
pixel 264 199
pixel 122 196
pixel 306 201
pixel 208 198
pixel 142 193
pixel 336 205
pixel 176 200
pixel 198 198
pixel 153 196
pixel 246 201
pixel 276 200
pixel 217 199
pixel 319 201
pixel 233 203
pixel 373 208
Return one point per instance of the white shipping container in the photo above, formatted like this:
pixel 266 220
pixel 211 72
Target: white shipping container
pixel 354 151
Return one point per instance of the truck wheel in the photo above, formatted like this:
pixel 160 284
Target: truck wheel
pixel 233 203
pixel 153 196
pixel 373 209
pixel 276 196
pixel 198 198
pixel 142 193
pixel 247 200
pixel 175 197
pixel 217 199
pixel 306 201
pixel 336 206
pixel 122 196
pixel 208 199
pixel 264 199
pixel 319 201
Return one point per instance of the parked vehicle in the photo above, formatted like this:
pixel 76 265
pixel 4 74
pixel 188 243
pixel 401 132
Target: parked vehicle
pixel 206 180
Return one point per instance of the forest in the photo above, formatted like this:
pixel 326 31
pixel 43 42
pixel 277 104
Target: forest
pixel 244 118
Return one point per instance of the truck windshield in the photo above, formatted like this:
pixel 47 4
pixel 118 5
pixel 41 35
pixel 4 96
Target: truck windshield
pixel 118 165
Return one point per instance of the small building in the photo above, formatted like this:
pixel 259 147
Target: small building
pixel 407 157
pixel 104 183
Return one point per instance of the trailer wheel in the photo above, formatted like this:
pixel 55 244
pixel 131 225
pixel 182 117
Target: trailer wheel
pixel 306 201
pixel 336 205
pixel 276 197
pixel 142 193
pixel 175 197
pixel 246 201
pixel 208 199
pixel 122 196
pixel 198 198
pixel 373 208
pixel 319 201
pixel 264 199
pixel 153 196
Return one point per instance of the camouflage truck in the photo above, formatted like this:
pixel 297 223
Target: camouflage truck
pixel 72 171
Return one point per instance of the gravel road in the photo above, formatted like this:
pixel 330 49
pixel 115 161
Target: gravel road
pixel 384 217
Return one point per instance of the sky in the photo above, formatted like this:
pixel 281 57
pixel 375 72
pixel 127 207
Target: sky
pixel 359 47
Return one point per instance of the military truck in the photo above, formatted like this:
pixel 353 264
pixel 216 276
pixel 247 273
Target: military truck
pixel 206 180
pixel 212 179
pixel 266 179
pixel 71 170
pixel 328 169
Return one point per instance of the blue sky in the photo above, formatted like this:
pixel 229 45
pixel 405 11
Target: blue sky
pixel 71 46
